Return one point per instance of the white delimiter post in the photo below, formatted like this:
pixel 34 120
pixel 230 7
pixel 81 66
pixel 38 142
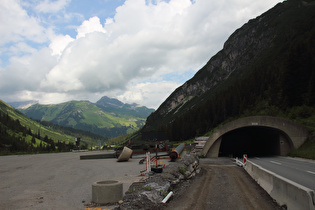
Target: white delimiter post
pixel 148 157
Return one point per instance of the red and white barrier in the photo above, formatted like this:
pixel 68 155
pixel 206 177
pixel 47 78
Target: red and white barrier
pixel 244 159
pixel 148 162
pixel 240 163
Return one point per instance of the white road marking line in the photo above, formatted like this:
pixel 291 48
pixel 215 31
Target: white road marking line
pixel 275 162
pixel 311 172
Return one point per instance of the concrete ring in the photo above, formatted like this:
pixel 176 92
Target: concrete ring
pixel 108 191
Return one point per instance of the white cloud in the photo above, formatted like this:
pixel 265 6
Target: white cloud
pixel 16 25
pixel 20 48
pixel 48 6
pixel 152 94
pixel 89 26
pixel 126 57
pixel 26 72
pixel 59 43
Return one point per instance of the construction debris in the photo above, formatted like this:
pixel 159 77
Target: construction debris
pixel 199 143
pixel 177 151
pixel 125 155
pixel 150 193
pixel 98 156
pixel 167 197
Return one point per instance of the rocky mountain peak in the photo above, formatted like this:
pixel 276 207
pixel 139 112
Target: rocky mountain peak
pixel 110 102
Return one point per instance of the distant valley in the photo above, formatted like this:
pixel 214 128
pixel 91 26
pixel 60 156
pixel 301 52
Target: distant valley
pixel 107 117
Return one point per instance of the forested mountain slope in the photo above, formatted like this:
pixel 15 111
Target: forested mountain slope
pixel 21 134
pixel 267 67
pixel 107 117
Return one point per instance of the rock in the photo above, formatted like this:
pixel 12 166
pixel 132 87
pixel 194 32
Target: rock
pixel 154 196
pixel 190 168
pixel 175 182
pixel 149 193
pixel 181 177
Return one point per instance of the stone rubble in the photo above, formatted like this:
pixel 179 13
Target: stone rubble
pixel 149 193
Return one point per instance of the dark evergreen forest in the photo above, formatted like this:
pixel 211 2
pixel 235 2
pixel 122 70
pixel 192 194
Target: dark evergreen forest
pixel 279 82
pixel 276 91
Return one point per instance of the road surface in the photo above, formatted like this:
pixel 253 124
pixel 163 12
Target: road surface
pixel 297 170
pixel 58 181
pixel 221 185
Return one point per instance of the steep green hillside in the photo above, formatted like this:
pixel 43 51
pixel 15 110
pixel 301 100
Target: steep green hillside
pixel 21 134
pixel 33 125
pixel 115 106
pixel 102 118
pixel 267 67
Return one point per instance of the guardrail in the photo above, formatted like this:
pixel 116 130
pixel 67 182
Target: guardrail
pixel 239 162
pixel 285 192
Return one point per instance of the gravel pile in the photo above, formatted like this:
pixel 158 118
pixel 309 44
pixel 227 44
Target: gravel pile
pixel 150 193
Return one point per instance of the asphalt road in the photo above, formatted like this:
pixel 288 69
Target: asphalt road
pixel 297 170
pixel 58 181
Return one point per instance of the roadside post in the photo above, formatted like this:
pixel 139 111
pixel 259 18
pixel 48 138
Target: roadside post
pixel 245 159
pixel 148 162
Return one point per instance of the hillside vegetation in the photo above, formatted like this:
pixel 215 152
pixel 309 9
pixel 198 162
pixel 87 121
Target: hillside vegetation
pixel 107 117
pixel 21 134
pixel 267 67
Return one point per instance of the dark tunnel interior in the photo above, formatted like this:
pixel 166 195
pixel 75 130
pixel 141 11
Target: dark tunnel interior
pixel 253 141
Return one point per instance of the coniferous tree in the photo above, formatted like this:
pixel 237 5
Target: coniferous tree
pixel 33 139
pixel 38 134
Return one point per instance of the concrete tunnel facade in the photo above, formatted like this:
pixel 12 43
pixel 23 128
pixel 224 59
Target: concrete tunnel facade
pixel 255 135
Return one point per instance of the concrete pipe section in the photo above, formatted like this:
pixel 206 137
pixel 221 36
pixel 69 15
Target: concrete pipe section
pixel 109 191
pixel 176 152
pixel 125 154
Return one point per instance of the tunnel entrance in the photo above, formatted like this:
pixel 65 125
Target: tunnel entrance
pixel 253 141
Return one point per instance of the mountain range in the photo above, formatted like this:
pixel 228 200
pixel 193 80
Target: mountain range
pixel 23 104
pixel 266 67
pixel 107 117
pixel 19 133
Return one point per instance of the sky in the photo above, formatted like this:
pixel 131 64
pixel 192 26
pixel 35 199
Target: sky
pixel 137 51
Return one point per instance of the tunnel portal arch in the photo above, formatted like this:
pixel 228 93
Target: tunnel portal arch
pixel 286 135
pixel 254 141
